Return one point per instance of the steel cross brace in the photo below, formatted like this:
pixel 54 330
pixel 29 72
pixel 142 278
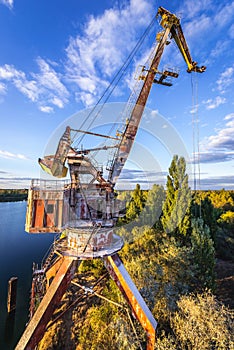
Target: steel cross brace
pixel 119 274
pixel 65 270
pixel 36 327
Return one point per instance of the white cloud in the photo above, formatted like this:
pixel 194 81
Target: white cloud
pixel 14 182
pixel 87 98
pixel 214 103
pixel 214 157
pixel 219 48
pixel 9 155
pixel 50 80
pixel 8 3
pixel 8 72
pixel 46 86
pixel 229 116
pixel 3 89
pixel 224 138
pixel 197 27
pixel 219 147
pixel 225 79
pixel 46 109
pixel 29 88
pixel 94 56
pixel 225 15
pixel 191 11
pixel 59 102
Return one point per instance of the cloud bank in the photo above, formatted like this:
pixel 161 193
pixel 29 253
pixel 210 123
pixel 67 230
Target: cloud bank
pixel 219 147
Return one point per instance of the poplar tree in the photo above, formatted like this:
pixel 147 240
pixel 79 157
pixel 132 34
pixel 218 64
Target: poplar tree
pixel 176 208
pixel 136 204
pixel 153 208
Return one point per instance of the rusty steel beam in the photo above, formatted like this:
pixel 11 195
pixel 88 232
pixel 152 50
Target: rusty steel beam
pixel 52 271
pixel 124 282
pixel 137 112
pixel 12 294
pixel 36 327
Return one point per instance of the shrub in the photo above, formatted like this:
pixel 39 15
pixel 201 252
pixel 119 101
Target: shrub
pixel 202 323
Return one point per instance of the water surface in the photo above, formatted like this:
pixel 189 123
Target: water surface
pixel 18 250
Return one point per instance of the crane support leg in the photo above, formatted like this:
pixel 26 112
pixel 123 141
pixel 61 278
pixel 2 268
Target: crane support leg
pixel 37 325
pixel 130 292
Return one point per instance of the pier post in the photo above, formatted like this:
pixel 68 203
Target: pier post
pixel 12 294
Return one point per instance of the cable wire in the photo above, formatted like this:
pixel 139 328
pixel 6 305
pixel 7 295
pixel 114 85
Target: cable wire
pixel 196 138
pixel 109 90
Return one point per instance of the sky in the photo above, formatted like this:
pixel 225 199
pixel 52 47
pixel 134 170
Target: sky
pixel 57 58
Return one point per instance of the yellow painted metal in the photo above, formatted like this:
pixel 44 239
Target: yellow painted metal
pixel 124 282
pixel 169 20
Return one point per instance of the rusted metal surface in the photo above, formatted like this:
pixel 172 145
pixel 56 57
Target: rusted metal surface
pixel 84 246
pixel 137 112
pixel 52 271
pixel 54 209
pixel 37 325
pixel 124 282
pixel 12 294
pixel 54 164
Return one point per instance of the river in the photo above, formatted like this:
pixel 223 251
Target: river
pixel 18 250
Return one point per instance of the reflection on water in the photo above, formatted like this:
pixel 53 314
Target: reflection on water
pixel 18 250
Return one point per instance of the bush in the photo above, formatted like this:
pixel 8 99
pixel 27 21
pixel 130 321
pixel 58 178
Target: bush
pixel 225 244
pixel 202 323
pixel 227 219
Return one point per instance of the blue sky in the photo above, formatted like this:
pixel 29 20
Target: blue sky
pixel 57 57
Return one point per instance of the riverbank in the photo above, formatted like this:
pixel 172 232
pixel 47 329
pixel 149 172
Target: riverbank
pixel 13 195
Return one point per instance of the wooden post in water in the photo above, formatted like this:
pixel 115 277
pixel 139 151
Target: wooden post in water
pixel 12 294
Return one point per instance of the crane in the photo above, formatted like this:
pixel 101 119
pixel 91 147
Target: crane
pixel 86 212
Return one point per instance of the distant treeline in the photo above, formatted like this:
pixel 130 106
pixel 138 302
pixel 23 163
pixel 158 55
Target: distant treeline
pixel 10 195
pixel 222 199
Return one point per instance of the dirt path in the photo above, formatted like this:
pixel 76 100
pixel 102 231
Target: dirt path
pixel 225 282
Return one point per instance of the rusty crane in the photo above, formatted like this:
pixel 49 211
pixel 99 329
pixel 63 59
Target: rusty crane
pixel 86 212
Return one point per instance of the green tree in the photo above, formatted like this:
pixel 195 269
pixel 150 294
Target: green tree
pixel 204 208
pixel 222 199
pixel 202 255
pixel 153 207
pixel 176 208
pixel 136 204
pixel 227 219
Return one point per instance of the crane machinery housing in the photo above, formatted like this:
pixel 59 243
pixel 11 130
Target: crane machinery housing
pixel 86 212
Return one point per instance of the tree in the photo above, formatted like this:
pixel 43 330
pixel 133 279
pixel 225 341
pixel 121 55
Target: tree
pixel 222 199
pixel 153 207
pixel 176 208
pixel 227 219
pixel 204 208
pixel 202 255
pixel 136 204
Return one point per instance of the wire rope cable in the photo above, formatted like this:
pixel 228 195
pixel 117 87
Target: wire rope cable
pixel 114 82
pixel 193 111
pixel 196 138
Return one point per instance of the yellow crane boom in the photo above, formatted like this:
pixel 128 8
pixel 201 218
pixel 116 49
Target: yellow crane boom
pixel 172 27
